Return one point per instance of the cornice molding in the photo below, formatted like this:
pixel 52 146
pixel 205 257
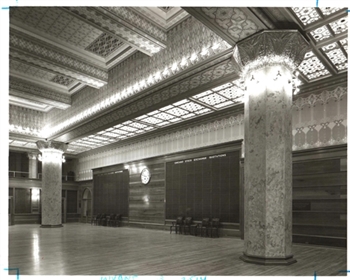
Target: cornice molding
pixel 24 89
pixel 46 58
pixel 137 23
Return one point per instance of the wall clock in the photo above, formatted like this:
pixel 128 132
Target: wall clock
pixel 145 176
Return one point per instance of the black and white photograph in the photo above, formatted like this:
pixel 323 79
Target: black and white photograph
pixel 185 142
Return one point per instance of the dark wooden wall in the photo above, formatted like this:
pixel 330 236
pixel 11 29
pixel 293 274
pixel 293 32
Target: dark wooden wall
pixel 110 193
pixel 320 196
pixel 204 187
pixel 146 202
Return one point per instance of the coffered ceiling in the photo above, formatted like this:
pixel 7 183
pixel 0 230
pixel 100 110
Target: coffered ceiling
pixel 61 58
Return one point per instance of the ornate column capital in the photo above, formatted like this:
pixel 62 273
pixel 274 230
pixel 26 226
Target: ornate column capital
pixel 270 47
pixel 43 145
pixel 32 155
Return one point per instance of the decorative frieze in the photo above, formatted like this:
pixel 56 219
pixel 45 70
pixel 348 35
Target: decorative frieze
pixel 25 121
pixel 21 88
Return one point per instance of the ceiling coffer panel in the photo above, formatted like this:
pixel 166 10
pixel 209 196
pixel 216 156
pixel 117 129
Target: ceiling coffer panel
pixel 110 20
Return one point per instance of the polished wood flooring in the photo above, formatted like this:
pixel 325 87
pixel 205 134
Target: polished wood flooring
pixel 82 249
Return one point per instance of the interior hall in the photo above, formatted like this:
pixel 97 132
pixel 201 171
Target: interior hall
pixel 184 141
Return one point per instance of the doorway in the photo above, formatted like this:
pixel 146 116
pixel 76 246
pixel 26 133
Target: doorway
pixel 86 206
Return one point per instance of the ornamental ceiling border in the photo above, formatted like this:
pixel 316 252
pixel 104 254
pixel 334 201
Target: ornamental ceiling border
pixel 103 22
pixel 37 61
pixel 18 87
pixel 191 85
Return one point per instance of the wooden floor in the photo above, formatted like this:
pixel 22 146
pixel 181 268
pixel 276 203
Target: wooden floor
pixel 82 249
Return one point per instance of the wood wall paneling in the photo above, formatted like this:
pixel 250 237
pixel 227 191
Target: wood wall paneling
pixel 23 201
pixel 146 202
pixel 110 194
pixel 207 186
pixel 320 197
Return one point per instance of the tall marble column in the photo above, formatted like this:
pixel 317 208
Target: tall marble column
pixel 267 61
pixel 33 165
pixel 51 203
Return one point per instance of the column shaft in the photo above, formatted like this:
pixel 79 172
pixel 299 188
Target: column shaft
pixel 33 165
pixel 266 61
pixel 51 214
pixel 268 166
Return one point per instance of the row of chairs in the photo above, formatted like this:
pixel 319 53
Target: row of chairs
pixel 186 225
pixel 113 220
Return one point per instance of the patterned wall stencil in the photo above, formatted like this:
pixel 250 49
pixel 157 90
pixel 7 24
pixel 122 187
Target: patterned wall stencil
pixel 320 120
pixel 104 45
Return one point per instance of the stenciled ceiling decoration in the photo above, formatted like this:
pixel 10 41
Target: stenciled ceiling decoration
pixel 327 29
pixel 131 59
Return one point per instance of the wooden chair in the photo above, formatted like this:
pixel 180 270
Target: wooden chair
pixel 205 225
pixel 186 226
pixel 118 220
pixel 177 224
pixel 111 220
pixel 99 221
pixel 214 226
pixel 95 219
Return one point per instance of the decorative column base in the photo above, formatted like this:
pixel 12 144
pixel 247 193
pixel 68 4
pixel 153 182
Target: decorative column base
pixel 51 226
pixel 268 261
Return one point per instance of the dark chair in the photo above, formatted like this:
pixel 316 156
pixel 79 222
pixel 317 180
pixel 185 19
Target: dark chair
pixel 204 226
pixel 102 217
pixel 111 220
pixel 95 219
pixel 177 224
pixel 214 226
pixel 186 227
pixel 118 220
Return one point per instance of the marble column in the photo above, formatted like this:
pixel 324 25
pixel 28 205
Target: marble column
pixel 33 165
pixel 267 61
pixel 51 203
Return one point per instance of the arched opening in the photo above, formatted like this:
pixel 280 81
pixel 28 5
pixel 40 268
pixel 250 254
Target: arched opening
pixel 86 206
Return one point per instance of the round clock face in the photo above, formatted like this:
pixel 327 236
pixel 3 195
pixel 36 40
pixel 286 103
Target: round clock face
pixel 145 176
